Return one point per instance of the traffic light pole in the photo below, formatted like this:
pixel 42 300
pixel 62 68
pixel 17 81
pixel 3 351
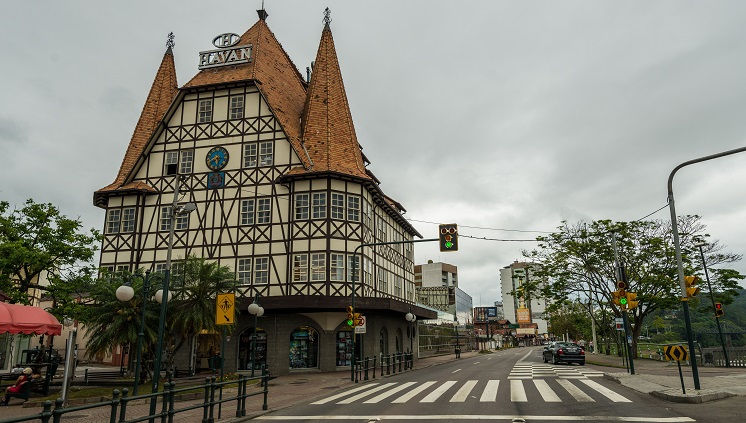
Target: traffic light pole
pixel 623 277
pixel 677 248
pixel 355 273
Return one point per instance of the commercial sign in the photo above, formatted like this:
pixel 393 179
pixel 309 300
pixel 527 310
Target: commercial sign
pixel 483 314
pixel 619 322
pixel 227 52
pixel 523 315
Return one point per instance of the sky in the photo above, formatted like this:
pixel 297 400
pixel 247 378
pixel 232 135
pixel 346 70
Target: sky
pixel 505 117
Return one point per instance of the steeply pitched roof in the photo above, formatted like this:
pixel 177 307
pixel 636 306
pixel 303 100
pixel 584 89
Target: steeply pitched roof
pixel 161 95
pixel 275 75
pixel 328 131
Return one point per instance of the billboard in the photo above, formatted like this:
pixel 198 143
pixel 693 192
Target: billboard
pixel 523 315
pixel 483 314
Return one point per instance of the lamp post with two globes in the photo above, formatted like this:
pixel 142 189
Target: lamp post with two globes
pixel 126 293
pixel 411 330
pixel 257 311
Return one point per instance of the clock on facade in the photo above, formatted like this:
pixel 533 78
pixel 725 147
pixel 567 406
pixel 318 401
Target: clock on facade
pixel 217 158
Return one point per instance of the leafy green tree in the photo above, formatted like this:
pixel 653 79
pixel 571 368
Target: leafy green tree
pixel 37 238
pixel 195 290
pixel 579 258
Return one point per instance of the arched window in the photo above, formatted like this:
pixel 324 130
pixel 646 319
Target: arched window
pixel 384 341
pixel 246 344
pixel 304 348
pixel 399 338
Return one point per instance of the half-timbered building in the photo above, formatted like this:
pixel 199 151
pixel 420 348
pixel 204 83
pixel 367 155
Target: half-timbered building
pixel 283 196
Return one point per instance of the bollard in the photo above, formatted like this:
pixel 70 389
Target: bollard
pixel 374 367
pixel 265 378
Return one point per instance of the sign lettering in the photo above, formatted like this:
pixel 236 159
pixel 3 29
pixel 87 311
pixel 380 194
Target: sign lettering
pixel 227 53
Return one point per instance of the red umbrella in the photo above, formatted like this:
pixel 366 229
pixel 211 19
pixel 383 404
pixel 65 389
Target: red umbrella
pixel 28 320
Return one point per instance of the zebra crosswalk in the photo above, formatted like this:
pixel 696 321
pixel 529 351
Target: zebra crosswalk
pixel 530 370
pixel 520 390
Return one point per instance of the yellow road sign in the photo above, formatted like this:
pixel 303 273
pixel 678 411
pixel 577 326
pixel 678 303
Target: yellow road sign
pixel 676 352
pixel 225 309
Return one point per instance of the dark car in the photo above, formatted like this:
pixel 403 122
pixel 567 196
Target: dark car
pixel 564 352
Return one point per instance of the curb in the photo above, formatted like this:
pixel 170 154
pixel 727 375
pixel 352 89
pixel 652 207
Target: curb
pixel 696 398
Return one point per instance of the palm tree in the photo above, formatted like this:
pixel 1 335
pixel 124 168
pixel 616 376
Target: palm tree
pixel 195 291
pixel 112 323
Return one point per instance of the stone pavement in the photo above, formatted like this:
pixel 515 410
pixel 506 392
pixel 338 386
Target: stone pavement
pixel 657 378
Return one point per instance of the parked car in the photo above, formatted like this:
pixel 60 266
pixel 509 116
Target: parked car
pixel 563 352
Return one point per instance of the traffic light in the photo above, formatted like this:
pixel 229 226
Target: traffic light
pixel 631 300
pixel 357 319
pixel 691 286
pixel 350 316
pixel 621 285
pixel 448 237
pixel 719 312
pixel 616 297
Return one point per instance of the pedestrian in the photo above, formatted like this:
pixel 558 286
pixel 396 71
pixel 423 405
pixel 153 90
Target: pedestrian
pixel 590 346
pixel 16 387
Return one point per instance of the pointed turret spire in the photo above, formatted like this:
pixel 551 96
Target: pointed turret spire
pixel 328 131
pixel 162 93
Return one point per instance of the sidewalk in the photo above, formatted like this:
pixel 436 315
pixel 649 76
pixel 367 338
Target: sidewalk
pixel 661 378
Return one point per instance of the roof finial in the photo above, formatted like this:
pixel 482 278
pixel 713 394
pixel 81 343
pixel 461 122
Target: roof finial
pixel 170 43
pixel 327 16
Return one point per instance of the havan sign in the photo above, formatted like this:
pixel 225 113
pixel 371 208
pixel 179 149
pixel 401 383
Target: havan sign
pixel 227 53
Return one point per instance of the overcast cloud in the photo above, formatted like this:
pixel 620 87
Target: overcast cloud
pixel 491 114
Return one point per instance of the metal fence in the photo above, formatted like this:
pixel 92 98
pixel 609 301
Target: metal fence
pixel 167 399
pixel 714 356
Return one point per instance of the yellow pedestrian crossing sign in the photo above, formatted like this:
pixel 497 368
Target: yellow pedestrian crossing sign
pixel 225 309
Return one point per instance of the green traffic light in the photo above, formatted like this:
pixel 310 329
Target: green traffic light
pixel 623 301
pixel 349 322
pixel 449 244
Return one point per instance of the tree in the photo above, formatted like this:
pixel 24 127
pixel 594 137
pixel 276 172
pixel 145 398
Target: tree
pixel 112 323
pixel 580 258
pixel 38 238
pixel 195 292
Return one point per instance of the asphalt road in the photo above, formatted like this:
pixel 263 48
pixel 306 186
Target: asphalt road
pixel 510 386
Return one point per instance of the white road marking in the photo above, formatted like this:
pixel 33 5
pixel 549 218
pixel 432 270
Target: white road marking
pixel 433 396
pixel 490 391
pixel 545 391
pixel 608 393
pixel 385 395
pixel 344 394
pixel 366 393
pixel 573 390
pixel 491 417
pixel 517 393
pixel 456 371
pixel 464 391
pixel 411 394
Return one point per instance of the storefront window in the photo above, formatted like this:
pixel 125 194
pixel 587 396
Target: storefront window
pixel 244 349
pixel 304 348
pixel 344 348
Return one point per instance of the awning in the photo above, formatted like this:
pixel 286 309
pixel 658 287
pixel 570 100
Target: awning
pixel 28 320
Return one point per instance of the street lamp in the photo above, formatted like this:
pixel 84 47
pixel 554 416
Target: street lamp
pixel 176 211
pixel 124 294
pixel 411 318
pixel 712 297
pixel 257 311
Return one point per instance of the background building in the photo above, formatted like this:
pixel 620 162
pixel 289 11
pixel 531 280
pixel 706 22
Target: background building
pixel 523 308
pixel 437 287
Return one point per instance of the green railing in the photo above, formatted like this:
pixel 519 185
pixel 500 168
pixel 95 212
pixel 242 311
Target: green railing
pixel 210 405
